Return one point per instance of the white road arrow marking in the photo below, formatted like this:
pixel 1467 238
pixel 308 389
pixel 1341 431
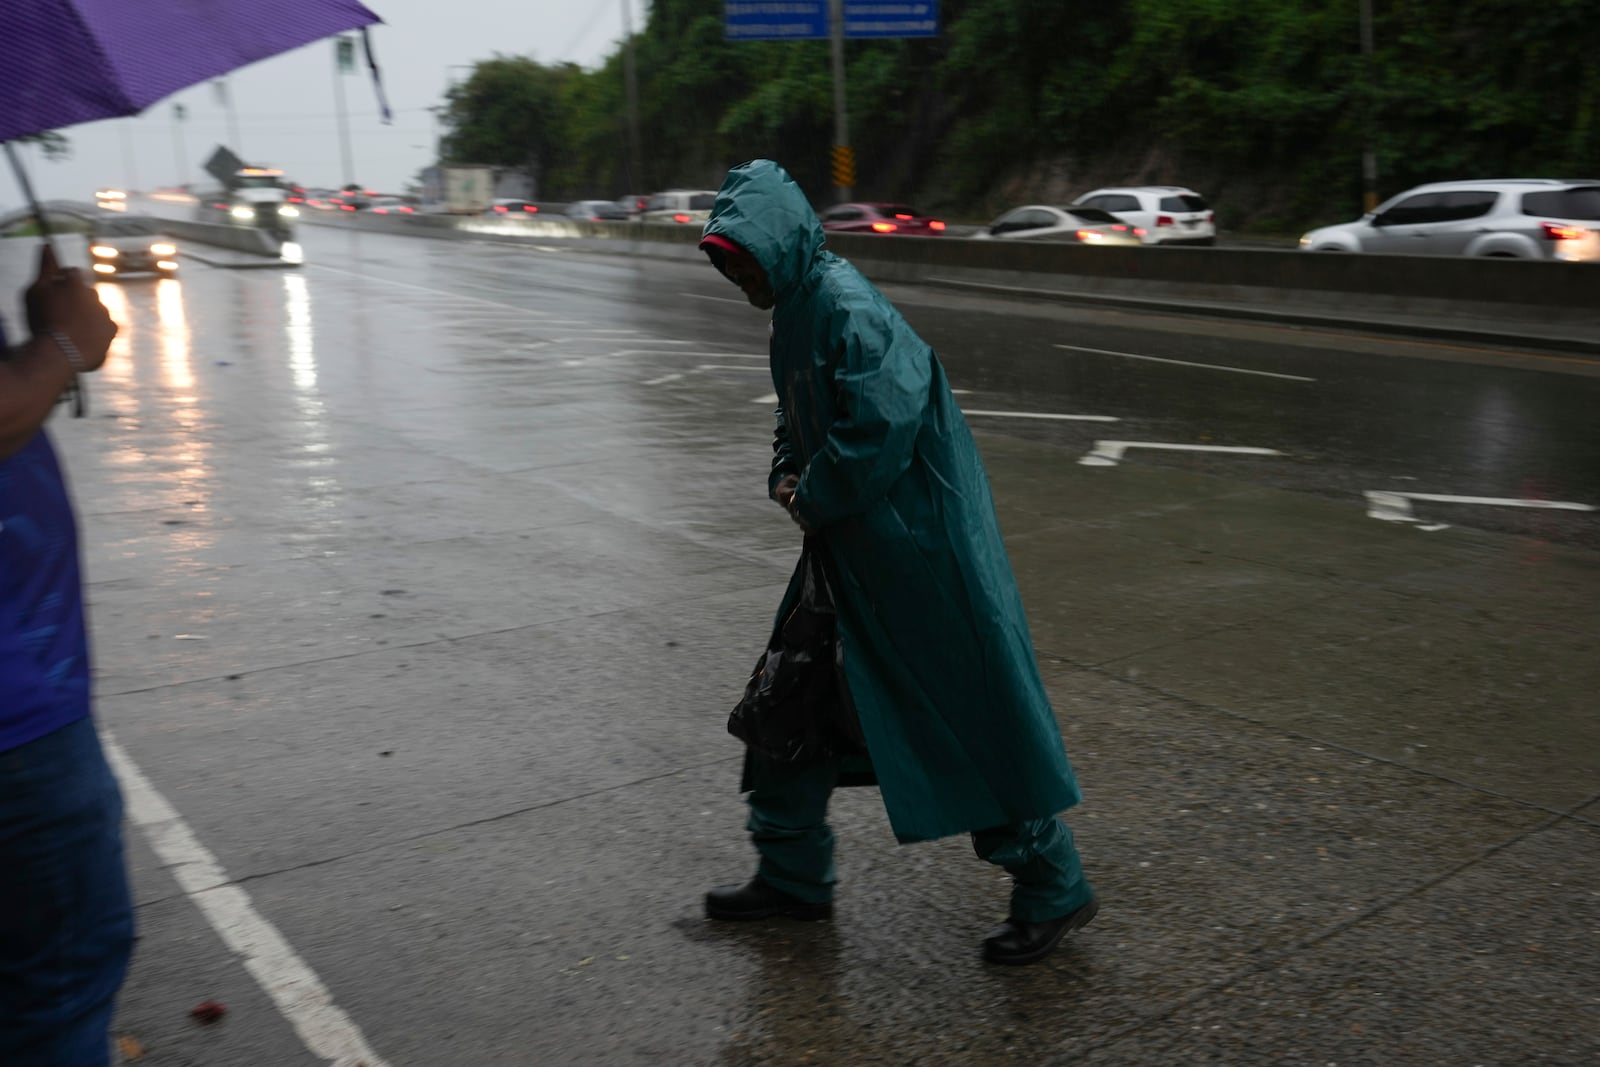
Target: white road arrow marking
pixel 1389 506
pixel 1110 453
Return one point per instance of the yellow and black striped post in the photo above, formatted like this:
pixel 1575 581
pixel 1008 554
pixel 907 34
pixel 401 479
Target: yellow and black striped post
pixel 844 169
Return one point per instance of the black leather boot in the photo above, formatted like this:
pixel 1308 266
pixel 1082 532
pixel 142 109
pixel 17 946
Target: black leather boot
pixel 1017 942
pixel 758 900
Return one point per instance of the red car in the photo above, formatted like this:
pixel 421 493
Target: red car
pixel 880 218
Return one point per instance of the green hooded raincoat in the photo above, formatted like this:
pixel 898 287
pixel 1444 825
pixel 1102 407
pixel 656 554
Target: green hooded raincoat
pixel 936 646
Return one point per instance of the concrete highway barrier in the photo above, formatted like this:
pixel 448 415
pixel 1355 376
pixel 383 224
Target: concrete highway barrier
pixel 1324 286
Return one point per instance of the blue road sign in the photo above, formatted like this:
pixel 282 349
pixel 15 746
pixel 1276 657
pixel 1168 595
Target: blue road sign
pixel 800 20
pixel 775 20
pixel 891 18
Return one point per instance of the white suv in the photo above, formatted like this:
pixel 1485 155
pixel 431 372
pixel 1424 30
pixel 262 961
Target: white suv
pixel 1513 218
pixel 1168 214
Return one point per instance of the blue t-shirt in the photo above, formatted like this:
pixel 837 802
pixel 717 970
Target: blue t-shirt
pixel 44 649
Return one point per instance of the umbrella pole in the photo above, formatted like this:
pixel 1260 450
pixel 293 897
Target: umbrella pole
pixel 75 390
pixel 27 190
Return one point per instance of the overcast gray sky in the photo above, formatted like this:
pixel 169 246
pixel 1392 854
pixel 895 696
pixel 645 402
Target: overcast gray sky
pixel 285 105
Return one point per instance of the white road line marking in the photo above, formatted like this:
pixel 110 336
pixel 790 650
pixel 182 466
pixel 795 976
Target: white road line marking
pixel 1389 506
pixel 718 299
pixel 724 366
pixel 1039 415
pixel 1186 363
pixel 1110 453
pixel 299 994
pixel 770 398
pixel 435 292
pixel 664 379
pixel 961 392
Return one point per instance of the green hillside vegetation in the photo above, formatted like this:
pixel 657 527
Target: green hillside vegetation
pixel 1260 104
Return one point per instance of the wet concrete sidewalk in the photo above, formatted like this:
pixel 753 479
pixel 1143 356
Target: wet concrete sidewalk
pixel 428 640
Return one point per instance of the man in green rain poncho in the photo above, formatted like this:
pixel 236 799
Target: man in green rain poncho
pixel 872 454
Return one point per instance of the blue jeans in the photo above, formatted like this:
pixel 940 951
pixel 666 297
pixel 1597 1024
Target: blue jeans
pixel 66 916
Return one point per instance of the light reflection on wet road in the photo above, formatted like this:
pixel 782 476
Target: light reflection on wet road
pixel 421 578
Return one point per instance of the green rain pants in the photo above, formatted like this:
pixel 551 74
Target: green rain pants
pixel 788 823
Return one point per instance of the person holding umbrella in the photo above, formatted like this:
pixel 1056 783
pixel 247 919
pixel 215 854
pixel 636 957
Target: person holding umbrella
pixel 872 457
pixel 66 922
pixel 66 919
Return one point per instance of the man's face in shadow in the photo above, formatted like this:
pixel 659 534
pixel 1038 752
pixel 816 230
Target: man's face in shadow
pixel 743 270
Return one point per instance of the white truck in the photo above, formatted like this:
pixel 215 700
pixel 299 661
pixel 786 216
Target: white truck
pixel 468 188
pixel 250 197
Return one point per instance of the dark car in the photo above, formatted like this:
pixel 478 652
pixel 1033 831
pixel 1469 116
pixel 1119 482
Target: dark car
pixel 899 219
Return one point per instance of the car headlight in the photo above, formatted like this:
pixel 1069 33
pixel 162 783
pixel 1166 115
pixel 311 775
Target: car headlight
pixel 163 250
pixel 104 251
pixel 1305 240
pixel 290 212
pixel 243 213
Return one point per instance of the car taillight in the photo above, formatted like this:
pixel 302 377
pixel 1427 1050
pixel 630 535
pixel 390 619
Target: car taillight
pixel 1140 231
pixel 1555 231
pixel 936 225
pixel 886 227
pixel 1119 226
pixel 1211 216
pixel 501 208
pixel 380 211
pixel 296 200
pixel 680 218
pixel 530 207
pixel 905 218
pixel 1164 220
pixel 347 207
pixel 407 210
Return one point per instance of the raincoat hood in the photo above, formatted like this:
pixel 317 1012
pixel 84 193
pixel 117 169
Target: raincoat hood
pixel 763 211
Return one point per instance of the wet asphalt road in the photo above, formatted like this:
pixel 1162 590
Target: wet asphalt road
pixel 1350 414
pixel 420 579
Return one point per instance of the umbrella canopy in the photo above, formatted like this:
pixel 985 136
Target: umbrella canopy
pixel 72 61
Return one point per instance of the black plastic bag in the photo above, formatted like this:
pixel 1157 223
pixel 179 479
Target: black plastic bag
pixel 796 706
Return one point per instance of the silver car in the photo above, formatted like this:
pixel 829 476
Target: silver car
pixel 1515 218
pixel 1045 222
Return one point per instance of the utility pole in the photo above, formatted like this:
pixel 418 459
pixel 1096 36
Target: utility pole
pixel 344 59
pixel 635 167
pixel 844 160
pixel 1369 155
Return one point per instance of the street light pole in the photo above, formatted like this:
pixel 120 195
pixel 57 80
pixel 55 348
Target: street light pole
pixel 1369 155
pixel 344 51
pixel 844 164
pixel 631 80
pixel 178 153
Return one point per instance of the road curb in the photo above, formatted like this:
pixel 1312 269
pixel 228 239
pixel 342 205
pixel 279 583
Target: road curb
pixel 226 264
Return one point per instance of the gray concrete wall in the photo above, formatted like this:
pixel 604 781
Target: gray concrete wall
pixel 1337 283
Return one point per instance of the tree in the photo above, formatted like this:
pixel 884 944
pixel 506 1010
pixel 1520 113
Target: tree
pixel 54 146
pixel 509 113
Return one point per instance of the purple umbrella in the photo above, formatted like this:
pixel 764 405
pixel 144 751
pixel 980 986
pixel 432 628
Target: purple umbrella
pixel 68 61
pixel 63 62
